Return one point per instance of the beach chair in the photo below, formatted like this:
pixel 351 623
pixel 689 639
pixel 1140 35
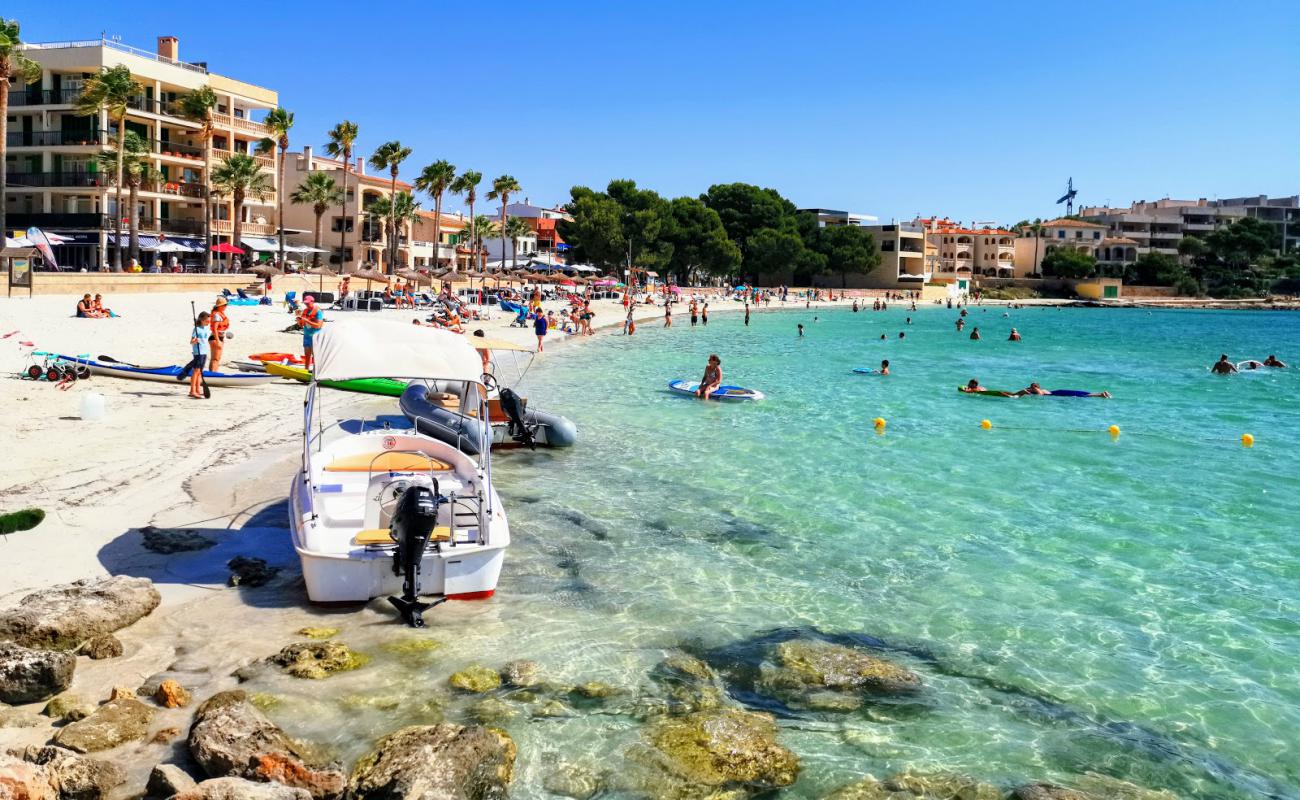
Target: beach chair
pixel 243 295
pixel 226 294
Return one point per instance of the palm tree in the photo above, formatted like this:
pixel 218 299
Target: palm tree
pixel 278 122
pixel 13 63
pixel 390 156
pixel 239 176
pixel 1036 228
pixel 137 170
pixel 319 191
pixel 515 229
pixel 341 138
pixel 434 180
pixel 502 188
pixel 467 184
pixel 197 107
pixel 483 228
pixel 111 90
pixel 396 212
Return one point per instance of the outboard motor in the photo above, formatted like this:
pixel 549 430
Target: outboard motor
pixel 412 525
pixel 513 405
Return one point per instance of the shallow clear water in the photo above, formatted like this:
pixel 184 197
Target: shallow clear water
pixel 1074 602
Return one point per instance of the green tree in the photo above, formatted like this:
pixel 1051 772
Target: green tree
pixel 1069 263
pixel 847 248
pixel 390 156
pixel 397 213
pixel 342 138
pixel 700 245
pixel 13 64
pixel 241 177
pixel 1242 243
pixel 278 122
pixel 137 170
pixel 466 184
pixel 435 180
pixel 197 107
pixel 484 228
pixel 746 209
pixel 596 232
pixel 515 229
pixel 646 224
pixel 774 251
pixel 502 188
pixel 320 191
pixel 111 91
pixel 1191 247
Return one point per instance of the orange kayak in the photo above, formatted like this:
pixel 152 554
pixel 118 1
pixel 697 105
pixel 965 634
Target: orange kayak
pixel 278 358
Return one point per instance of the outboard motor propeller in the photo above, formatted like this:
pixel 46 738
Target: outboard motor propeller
pixel 513 405
pixel 412 525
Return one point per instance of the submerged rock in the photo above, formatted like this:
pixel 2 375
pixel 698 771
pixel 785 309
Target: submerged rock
pixel 318 633
pixel 907 785
pixel 436 762
pixel 476 679
pixel 166 780
pixel 688 684
pixel 572 780
pixel 78 777
pixel 717 750
pixel 232 738
pixel 28 675
pixel 316 660
pixel 807 672
pixel 595 690
pixel 101 647
pixel 63 617
pixel 114 723
pixel 69 707
pixel 492 711
pixel 252 572
pixel 242 789
pixel 1047 791
pixel 520 674
pixel 174 540
pixel 1091 786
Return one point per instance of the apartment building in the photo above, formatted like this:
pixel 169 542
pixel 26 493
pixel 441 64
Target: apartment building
pixel 1156 226
pixel 1072 234
pixel 452 247
pixel 54 179
pixel 903 256
pixel 827 217
pixel 963 252
pixel 1281 211
pixel 545 240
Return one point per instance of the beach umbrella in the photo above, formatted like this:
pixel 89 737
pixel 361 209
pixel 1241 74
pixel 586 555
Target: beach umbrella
pixel 417 277
pixel 266 271
pixel 226 247
pixel 370 275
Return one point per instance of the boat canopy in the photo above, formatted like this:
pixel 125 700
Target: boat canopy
pixel 349 349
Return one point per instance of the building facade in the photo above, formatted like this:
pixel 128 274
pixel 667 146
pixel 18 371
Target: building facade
pixel 1031 248
pixel 544 242
pixel 52 153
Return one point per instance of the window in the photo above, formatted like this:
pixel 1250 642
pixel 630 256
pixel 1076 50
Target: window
pixel 886 245
pixel 336 224
pixel 1096 234
pixel 1060 234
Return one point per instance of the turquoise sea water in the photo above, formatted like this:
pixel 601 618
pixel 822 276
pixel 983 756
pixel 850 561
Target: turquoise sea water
pixel 1073 602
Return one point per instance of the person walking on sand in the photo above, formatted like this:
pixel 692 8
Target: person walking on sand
pixel 540 325
pixel 199 352
pixel 712 379
pixel 218 324
pixel 312 320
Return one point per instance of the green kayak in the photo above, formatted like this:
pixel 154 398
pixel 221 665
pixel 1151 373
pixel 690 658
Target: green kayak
pixel 383 386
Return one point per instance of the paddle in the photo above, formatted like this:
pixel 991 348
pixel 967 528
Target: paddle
pixel 111 360
pixel 207 393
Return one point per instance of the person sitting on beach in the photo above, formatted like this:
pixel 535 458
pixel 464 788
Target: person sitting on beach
pixel 1223 366
pixel 98 307
pixel 975 333
pixel 1272 361
pixel 1015 336
pixel 712 378
pixel 85 307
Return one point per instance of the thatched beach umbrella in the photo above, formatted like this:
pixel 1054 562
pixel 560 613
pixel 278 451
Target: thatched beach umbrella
pixel 418 278
pixel 370 275
pixel 266 271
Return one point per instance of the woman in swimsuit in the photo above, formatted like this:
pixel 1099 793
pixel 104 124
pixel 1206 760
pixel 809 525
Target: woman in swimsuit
pixel 712 377
pixel 218 324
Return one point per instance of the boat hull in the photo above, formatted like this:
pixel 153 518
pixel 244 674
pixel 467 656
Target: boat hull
pixel 168 374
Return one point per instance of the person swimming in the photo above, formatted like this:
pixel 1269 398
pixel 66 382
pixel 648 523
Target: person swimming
pixel 975 333
pixel 800 330
pixel 1035 389
pixel 902 335
pixel 1015 336
pixel 1223 366
pixel 884 367
pixel 1272 361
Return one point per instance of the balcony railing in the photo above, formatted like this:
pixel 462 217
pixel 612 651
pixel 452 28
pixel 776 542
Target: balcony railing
pixel 178 188
pixel 247 228
pixel 44 179
pixel 154 106
pixel 177 150
pixel 55 138
pixel 90 221
pixel 238 123
pixel 266 161
pixel 184 226
pixel 43 97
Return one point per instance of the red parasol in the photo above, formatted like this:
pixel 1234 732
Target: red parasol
pixel 226 247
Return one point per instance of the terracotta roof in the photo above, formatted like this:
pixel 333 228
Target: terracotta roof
pixel 1071 223
pixel 1117 240
pixel 448 220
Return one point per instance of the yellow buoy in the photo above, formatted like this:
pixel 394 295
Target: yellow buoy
pixel 879 422
pixel 1114 430
pixel 1247 440
pixel 985 424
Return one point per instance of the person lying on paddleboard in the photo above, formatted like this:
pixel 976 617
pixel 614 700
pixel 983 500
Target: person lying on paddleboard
pixel 1035 389
pixel 712 377
pixel 973 387
pixel 1223 366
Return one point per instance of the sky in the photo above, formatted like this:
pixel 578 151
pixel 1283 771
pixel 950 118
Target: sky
pixel 974 111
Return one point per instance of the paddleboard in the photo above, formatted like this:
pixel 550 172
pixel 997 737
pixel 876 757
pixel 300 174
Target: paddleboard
pixel 866 371
pixel 721 393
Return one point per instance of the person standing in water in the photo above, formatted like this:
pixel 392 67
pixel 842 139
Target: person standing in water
pixel 668 313
pixel 884 367
pixel 695 313
pixel 800 330
pixel 975 334
pixel 704 315
pixel 1223 366
pixel 712 377
pixel 1015 336
pixel 746 315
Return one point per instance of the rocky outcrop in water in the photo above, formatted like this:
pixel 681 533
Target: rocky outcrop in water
pixel 101 647
pixel 242 789
pixel 166 780
pixel 688 684
pixel 520 674
pixel 572 780
pixel 230 737
pixel 475 679
pixel 724 750
pixel 802 668
pixel 69 707
pixel 63 617
pixel 250 572
pixel 114 723
pixel 316 660
pixel 1091 786
pixel 915 786
pixel 436 762
pixel 28 675
pixel 72 776
pixel 173 540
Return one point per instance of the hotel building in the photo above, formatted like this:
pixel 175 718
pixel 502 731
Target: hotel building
pixel 1057 234
pixel 54 178
pixel 544 242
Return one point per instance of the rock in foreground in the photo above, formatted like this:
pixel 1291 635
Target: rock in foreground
pixel 241 789
pixel 436 762
pixel 802 671
pixel 907 785
pixel 77 777
pixel 316 660
pixel 63 617
pixel 29 675
pixel 232 738
pixel 725 749
pixel 114 723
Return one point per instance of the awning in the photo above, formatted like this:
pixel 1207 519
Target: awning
pixel 303 248
pixel 346 349
pixel 259 243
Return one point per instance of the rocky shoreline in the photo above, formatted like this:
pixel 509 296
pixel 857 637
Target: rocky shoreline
pixel 180 734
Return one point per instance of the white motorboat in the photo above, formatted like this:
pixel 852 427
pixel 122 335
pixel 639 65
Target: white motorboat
pixel 376 511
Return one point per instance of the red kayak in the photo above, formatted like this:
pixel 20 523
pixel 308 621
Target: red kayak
pixel 278 358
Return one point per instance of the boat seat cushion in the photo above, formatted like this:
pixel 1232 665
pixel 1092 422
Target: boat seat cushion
pixel 387 462
pixel 441 533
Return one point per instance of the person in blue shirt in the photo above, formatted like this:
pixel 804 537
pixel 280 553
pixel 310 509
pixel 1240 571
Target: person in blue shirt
pixel 200 350
pixel 312 319
pixel 539 328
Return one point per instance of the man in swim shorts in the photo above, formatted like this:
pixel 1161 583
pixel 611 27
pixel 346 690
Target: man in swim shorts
pixel 1223 366
pixel 312 319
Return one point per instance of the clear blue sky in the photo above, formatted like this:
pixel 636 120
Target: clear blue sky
pixel 971 110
